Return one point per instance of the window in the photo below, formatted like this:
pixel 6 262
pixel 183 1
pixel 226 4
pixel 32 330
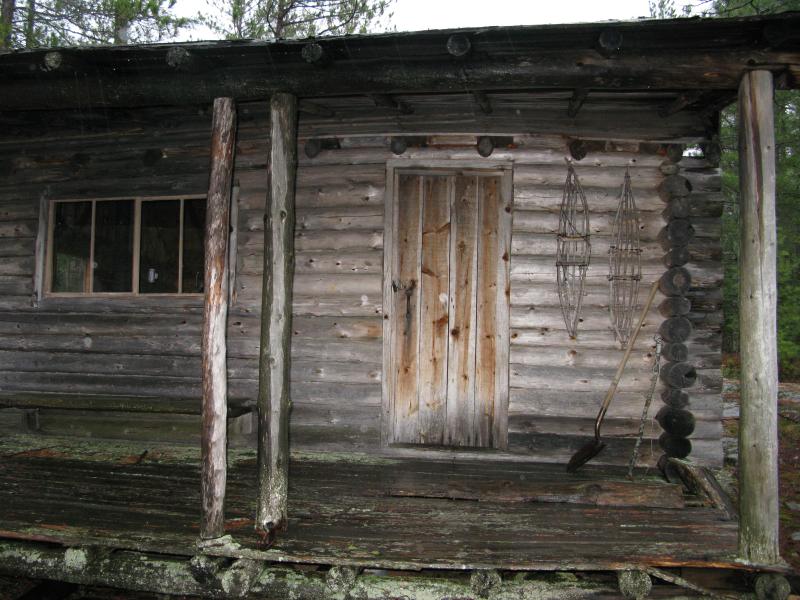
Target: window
pixel 447 269
pixel 126 246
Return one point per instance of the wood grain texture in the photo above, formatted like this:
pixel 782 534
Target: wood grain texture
pixel 274 398
pixel 406 309
pixel 758 428
pixel 434 332
pixel 463 284
pixel 518 526
pixel 492 313
pixel 215 314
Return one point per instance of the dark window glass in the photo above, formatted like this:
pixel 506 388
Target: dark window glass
pixel 113 246
pixel 158 258
pixel 194 221
pixel 72 230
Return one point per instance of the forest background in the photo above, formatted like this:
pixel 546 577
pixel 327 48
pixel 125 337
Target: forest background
pixel 47 23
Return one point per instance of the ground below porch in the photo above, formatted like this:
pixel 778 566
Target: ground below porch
pixel 364 512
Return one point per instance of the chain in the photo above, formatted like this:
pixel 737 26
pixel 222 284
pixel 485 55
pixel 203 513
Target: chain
pixel 648 401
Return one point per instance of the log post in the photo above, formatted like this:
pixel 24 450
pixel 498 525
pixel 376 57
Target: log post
pixel 215 315
pixel 276 316
pixel 758 428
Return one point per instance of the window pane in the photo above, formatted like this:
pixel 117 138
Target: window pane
pixel 158 258
pixel 113 246
pixel 71 241
pixel 194 220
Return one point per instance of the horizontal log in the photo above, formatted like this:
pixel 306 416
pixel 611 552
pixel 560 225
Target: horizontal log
pixel 351 305
pixel 337 327
pixel 602 199
pixel 332 263
pixel 307 284
pixel 48 323
pixel 565 356
pixel 16 247
pixel 341 194
pixel 626 405
pixel 592 319
pixel 353 351
pixel 336 393
pixel 575 379
pixel 613 427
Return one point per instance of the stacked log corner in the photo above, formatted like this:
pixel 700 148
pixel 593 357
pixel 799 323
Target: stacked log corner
pixel 215 313
pixel 677 373
pixel 276 319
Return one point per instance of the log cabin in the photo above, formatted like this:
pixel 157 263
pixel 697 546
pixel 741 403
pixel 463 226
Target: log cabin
pixel 282 319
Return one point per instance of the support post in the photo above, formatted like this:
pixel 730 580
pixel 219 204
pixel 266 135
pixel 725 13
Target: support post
pixel 276 320
pixel 215 315
pixel 758 427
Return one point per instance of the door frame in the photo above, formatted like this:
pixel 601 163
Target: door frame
pixel 503 169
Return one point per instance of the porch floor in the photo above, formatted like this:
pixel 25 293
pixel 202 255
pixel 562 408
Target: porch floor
pixel 381 513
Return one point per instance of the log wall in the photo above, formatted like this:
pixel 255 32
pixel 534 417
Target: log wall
pixel 556 383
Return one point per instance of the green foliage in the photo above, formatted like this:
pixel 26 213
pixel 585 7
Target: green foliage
pixel 276 19
pixel 787 141
pixel 665 9
pixel 38 23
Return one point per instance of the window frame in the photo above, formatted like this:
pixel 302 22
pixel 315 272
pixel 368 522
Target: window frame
pixel 395 167
pixel 136 250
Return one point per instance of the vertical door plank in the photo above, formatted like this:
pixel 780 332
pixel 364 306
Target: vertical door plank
pixel 461 345
pixel 434 309
pixel 491 352
pixel 405 314
pixel 486 322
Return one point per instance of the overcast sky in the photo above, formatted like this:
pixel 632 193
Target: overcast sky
pixel 414 15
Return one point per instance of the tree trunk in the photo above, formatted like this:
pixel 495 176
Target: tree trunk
pixel 30 25
pixel 6 22
pixel 215 313
pixel 276 317
pixel 758 429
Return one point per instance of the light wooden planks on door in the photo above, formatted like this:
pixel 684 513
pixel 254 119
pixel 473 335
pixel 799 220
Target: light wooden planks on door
pixel 435 282
pixel 491 359
pixel 406 292
pixel 463 280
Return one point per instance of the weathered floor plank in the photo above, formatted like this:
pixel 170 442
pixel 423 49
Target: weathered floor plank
pixel 368 512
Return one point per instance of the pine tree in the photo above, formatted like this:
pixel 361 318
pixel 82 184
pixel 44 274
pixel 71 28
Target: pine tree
pixel 276 19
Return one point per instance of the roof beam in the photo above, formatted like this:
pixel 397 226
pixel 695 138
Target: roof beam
pixel 655 56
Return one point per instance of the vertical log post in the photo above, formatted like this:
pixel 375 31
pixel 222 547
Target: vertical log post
pixel 276 320
pixel 758 427
pixel 215 314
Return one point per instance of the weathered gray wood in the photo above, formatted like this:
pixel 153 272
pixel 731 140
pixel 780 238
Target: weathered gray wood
pixel 758 427
pixel 276 320
pixel 215 313
pixel 40 252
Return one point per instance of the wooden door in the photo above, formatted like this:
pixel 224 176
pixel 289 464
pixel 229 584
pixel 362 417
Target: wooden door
pixel 446 357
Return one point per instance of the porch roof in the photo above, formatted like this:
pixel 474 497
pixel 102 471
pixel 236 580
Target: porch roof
pixel 703 56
